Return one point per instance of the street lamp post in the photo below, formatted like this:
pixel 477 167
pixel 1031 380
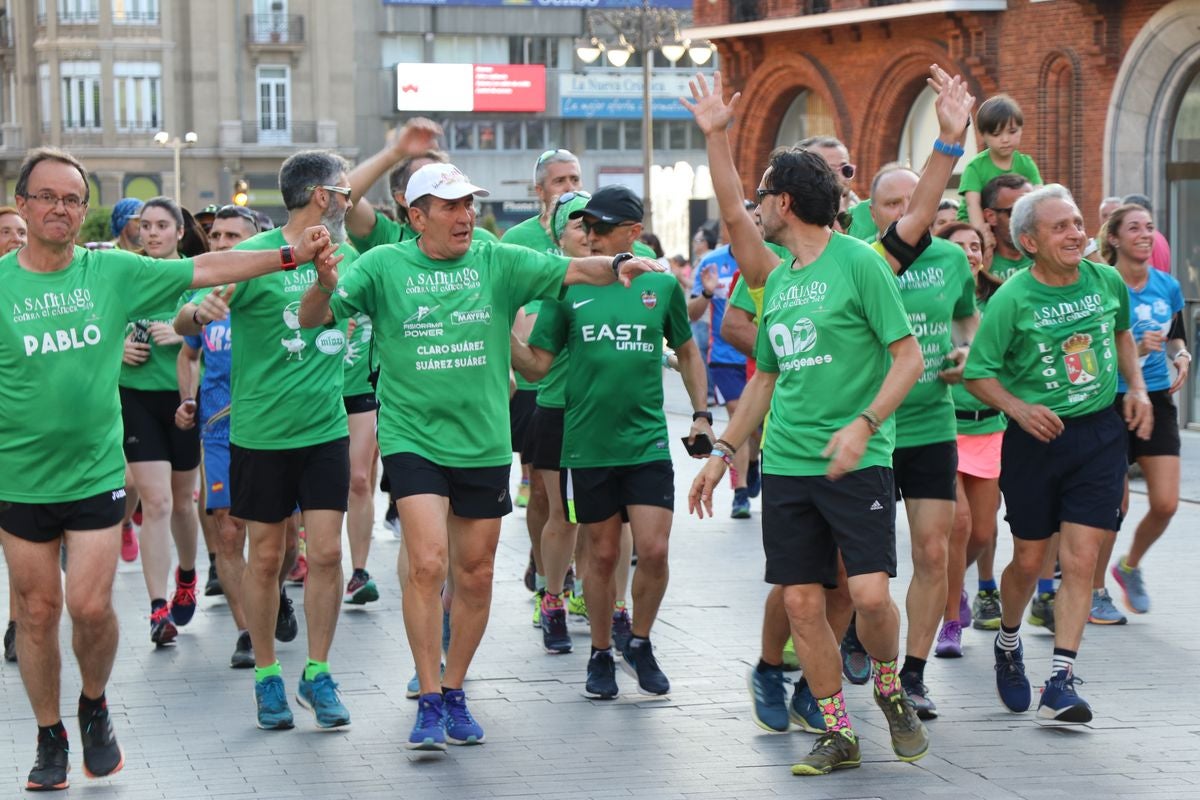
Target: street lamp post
pixel 163 139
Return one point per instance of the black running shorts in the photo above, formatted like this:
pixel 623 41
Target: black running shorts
pixel 150 431
pixel 594 494
pixel 45 522
pixel 474 492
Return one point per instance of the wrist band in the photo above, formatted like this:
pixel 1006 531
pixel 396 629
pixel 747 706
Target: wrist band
pixel 287 258
pixel 321 286
pixel 953 150
pixel 726 446
pixel 872 419
pixel 717 452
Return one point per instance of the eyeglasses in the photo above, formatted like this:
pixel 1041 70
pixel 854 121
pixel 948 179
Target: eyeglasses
pixel 761 194
pixel 344 191
pixel 604 228
pixel 550 153
pixel 71 202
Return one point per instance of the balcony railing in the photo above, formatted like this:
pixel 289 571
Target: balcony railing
pixel 296 132
pixel 268 29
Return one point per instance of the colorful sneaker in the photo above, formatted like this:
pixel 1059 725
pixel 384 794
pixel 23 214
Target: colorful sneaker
pixel 832 751
pixel 243 652
pixel 183 602
pixel 637 658
pixel 286 626
pixel 320 696
pixel 360 589
pixel 10 642
pixel 531 573
pixel 918 695
pixel 129 543
pixel 461 727
pixel 1041 611
pixel 803 710
pixel 622 628
pixel 986 610
pixel 754 479
pixel 162 629
pixel 856 664
pixel 601 676
pixel 964 610
pixel 521 498
pixel 274 714
pixel 1059 701
pixel 101 753
pixel 1103 611
pixel 53 762
pixel 537 607
pixel 741 504
pixel 1130 581
pixel 212 587
pixel 555 638
pixel 299 570
pixel 1011 684
pixel 577 609
pixel 768 699
pixel 949 640
pixel 791 661
pixel 910 740
pixel 429 731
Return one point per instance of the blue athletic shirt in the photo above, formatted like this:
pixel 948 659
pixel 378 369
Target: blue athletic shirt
pixel 1153 308
pixel 217 347
pixel 720 351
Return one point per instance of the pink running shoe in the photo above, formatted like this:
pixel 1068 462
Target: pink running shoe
pixel 129 543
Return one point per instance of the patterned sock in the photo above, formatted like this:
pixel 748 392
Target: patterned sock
pixel 552 602
pixel 1064 661
pixel 1009 639
pixel 988 585
pixel 836 717
pixel 1045 585
pixel 262 673
pixel 887 677
pixel 314 668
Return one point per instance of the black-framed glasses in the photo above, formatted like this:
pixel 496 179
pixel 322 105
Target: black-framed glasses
pixel 761 194
pixel 344 191
pixel 71 202
pixel 604 228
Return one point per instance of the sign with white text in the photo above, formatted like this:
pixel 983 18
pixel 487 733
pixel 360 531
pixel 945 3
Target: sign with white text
pixel 471 87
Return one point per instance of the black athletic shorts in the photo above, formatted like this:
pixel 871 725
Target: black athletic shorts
pixel 150 431
pixel 546 438
pixel 474 492
pixel 927 471
pixel 268 485
pixel 520 413
pixel 360 403
pixel 807 519
pixel 1078 477
pixel 1164 439
pixel 594 494
pixel 45 522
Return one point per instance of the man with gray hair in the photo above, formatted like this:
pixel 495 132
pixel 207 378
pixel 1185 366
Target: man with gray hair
pixel 1047 355
pixel 289 440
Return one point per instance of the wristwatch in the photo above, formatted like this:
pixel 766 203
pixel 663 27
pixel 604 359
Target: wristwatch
pixel 618 260
pixel 287 258
pixel 705 415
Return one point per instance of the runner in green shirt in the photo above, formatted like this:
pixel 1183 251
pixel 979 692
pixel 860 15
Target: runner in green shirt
pixel 443 309
pixel 999 196
pixel 60 448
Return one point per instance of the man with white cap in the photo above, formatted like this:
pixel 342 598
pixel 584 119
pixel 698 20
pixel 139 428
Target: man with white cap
pixel 442 307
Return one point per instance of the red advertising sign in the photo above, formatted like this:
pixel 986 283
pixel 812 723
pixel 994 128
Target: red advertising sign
pixel 510 87
pixel 470 87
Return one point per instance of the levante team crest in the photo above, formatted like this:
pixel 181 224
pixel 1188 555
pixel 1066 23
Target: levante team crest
pixel 649 299
pixel 1080 359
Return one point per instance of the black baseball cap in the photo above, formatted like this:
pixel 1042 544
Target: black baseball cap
pixel 612 204
pixel 209 210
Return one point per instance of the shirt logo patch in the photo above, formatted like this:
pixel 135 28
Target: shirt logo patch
pixel 582 303
pixel 331 342
pixel 294 345
pixel 649 299
pixel 1080 359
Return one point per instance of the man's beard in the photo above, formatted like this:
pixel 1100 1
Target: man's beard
pixel 334 220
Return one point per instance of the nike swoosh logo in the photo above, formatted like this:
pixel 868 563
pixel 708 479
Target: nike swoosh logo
pixel 582 303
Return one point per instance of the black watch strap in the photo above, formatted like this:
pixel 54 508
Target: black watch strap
pixel 705 415
pixel 618 260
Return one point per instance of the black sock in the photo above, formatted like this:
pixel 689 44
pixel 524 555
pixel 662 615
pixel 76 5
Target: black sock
pixel 763 666
pixel 212 558
pixel 55 731
pixel 603 650
pixel 87 704
pixel 359 573
pixel 156 604
pixel 638 641
pixel 914 666
pixel 448 689
pixel 186 575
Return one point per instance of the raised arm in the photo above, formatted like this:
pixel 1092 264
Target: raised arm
pixel 418 135
pixel 233 266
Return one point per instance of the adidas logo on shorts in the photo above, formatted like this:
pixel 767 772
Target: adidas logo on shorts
pixel 877 506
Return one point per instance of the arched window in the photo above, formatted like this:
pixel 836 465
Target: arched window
pixel 920 131
pixel 808 115
pixel 1060 149
pixel 1183 182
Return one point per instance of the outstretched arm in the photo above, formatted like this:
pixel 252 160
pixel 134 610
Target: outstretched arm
pixel 232 266
pixel 418 135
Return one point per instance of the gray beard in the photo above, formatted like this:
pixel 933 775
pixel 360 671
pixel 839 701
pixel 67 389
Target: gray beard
pixel 335 223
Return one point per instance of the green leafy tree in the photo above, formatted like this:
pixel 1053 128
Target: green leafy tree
pixel 95 225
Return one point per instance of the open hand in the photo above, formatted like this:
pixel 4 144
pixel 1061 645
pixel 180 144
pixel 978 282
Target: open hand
pixel 632 267
pixel 215 304
pixel 711 112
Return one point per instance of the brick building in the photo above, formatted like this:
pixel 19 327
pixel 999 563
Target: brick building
pixel 1110 91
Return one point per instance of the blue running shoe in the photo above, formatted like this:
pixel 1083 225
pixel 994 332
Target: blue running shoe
pixel 856 664
pixel 638 660
pixel 768 699
pixel 429 731
pixel 461 727
pixel 803 709
pixel 1011 684
pixel 601 676
pixel 622 628
pixel 1059 701
pixel 413 690
pixel 1131 583
pixel 754 479
pixel 741 504
pixel 274 714
pixel 320 696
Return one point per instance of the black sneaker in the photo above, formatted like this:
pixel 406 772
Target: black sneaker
pixel 531 574
pixel 101 753
pixel 601 676
pixel 639 661
pixel 212 588
pixel 286 626
pixel 51 767
pixel 10 642
pixel 243 652
pixel 918 693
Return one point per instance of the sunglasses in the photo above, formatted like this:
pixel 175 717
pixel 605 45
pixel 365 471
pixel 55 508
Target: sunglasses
pixel 604 228
pixel 344 191
pixel 846 170
pixel 230 211
pixel 550 153
pixel 761 194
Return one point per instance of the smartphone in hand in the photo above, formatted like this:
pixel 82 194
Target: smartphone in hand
pixel 702 446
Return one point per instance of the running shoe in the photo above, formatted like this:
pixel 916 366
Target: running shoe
pixel 910 740
pixel 949 640
pixel 243 652
pixel 136 517
pixel 391 521
pixel 1041 611
pixel 741 504
pixel 856 664
pixel 986 610
pixel 1011 684
pixel 299 570
pixel 964 610
pixel 429 731
pixel 833 750
pixel 622 628
pixel 274 714
pixel 577 608
pixel 803 710
pixel 791 662
pixel 601 676
pixel 183 602
pixel 637 658
pixel 461 727
pixel 361 589
pixel 286 626
pixel 212 588
pixel 413 690
pixel 918 695
pixel 1103 611
pixel 320 696
pixel 521 498
pixel 555 638
pixel 768 699
pixel 10 642
pixel 129 543
pixel 531 573
pixel 101 753
pixel 1059 701
pixel 1130 581
pixel 162 629
pixel 754 479
pixel 51 766
pixel 537 607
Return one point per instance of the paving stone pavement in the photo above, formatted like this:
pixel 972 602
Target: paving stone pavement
pixel 186 720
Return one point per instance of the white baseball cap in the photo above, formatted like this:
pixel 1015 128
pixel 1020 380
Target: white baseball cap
pixel 444 181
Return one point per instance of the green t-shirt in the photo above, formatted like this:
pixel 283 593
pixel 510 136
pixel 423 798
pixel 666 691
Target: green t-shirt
pixel 614 393
pixel 643 250
pixel 1054 345
pixel 826 328
pixel 531 234
pixel 389 231
pixel 442 329
pixel 1003 268
pixel 62 338
pixel 965 401
pixel 157 373
pixel 740 298
pixel 285 381
pixel 862 226
pixel 936 289
pixel 981 169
